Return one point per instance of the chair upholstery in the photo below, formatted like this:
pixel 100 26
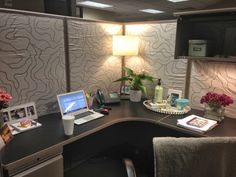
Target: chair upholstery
pixel 195 157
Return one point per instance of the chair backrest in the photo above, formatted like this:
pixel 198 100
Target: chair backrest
pixel 195 157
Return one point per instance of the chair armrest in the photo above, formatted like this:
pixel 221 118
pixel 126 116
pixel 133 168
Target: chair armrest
pixel 129 167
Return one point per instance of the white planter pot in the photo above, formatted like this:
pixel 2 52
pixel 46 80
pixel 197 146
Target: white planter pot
pixel 135 95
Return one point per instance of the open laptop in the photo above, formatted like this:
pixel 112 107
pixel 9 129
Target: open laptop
pixel 75 103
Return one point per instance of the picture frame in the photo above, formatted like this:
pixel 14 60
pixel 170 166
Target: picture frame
pixel 173 95
pixel 5 134
pixel 125 89
pixel 19 112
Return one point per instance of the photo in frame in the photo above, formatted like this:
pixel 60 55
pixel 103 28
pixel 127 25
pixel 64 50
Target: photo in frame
pixel 19 112
pixel 125 90
pixel 5 135
pixel 173 95
pixel 6 116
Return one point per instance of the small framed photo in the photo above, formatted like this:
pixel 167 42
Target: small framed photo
pixel 16 113
pixel 173 95
pixel 125 90
pixel 30 110
pixel 6 117
pixel 5 134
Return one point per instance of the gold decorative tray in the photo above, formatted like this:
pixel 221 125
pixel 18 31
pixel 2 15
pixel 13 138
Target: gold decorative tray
pixel 165 108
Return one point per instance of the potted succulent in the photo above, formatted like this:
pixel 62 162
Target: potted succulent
pixel 135 82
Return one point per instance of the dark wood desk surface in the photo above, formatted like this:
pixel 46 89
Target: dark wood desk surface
pixel 227 127
pixel 51 132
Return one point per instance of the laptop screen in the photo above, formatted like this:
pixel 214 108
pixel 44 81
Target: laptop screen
pixel 72 102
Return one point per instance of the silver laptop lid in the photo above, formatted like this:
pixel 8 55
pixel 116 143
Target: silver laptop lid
pixel 72 103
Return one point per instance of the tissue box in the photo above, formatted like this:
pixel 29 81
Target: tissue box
pixel 198 48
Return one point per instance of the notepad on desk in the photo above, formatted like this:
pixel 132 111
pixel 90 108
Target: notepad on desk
pixel 197 123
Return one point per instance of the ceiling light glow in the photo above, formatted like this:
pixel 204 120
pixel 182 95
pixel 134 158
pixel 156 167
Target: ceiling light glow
pixel 93 4
pixel 151 11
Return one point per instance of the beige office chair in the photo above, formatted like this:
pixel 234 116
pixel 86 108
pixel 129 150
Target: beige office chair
pixel 195 157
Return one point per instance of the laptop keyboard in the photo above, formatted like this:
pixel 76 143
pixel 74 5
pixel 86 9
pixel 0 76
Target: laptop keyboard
pixel 86 117
pixel 84 114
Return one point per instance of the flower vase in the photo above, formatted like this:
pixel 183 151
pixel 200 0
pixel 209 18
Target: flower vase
pixel 214 112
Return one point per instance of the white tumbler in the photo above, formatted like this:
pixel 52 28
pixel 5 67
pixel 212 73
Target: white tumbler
pixel 68 124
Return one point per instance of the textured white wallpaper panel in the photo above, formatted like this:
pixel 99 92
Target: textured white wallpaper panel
pixel 32 59
pixel 92 65
pixel 156 55
pixel 219 77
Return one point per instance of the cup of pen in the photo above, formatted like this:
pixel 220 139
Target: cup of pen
pixel 182 103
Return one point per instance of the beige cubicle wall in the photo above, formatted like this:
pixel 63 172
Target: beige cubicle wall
pixel 32 58
pixel 92 65
pixel 156 56
pixel 44 55
pixel 219 77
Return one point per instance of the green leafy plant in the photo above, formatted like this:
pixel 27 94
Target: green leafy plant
pixel 135 80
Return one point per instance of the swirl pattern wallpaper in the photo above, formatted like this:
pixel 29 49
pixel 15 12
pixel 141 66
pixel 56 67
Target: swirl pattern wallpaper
pixel 92 65
pixel 33 67
pixel 218 77
pixel 156 55
pixel 32 59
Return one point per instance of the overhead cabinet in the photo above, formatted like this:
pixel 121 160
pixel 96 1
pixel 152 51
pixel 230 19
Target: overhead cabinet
pixel 207 35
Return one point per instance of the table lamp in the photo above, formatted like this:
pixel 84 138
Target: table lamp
pixel 125 46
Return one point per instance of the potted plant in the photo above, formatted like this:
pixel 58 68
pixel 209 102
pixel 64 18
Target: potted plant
pixel 135 82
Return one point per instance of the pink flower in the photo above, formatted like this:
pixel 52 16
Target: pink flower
pixel 5 98
pixel 216 100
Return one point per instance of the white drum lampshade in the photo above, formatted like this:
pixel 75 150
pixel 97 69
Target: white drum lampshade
pixel 125 45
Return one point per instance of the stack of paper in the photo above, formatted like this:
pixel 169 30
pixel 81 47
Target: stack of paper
pixel 197 123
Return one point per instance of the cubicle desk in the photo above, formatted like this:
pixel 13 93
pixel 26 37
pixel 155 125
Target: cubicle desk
pixel 126 120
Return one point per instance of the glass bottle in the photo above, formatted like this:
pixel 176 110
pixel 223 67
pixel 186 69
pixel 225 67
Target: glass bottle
pixel 158 95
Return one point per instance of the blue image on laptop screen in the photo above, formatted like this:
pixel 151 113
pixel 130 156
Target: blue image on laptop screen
pixel 72 102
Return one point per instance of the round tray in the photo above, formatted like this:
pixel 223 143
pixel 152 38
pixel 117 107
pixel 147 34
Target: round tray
pixel 165 109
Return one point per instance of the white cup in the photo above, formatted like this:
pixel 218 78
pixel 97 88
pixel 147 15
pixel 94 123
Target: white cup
pixel 68 124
